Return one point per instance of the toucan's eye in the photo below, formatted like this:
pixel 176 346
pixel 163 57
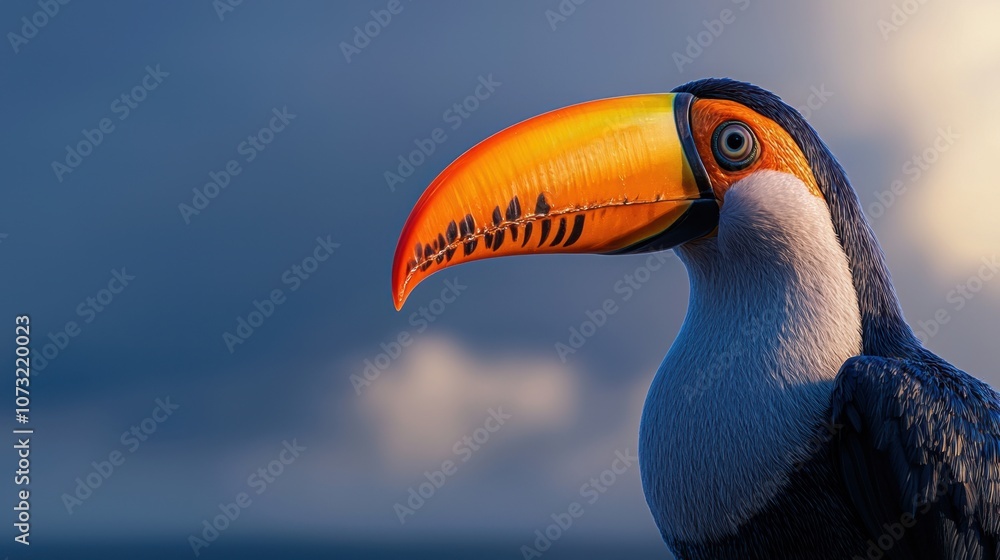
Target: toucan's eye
pixel 734 145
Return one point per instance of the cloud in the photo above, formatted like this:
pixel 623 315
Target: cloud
pixel 958 206
pixel 440 391
pixel 924 67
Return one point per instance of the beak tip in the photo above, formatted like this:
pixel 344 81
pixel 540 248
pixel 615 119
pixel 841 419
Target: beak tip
pixel 399 291
pixel 398 297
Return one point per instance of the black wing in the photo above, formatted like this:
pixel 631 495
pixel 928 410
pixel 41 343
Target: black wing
pixel 919 452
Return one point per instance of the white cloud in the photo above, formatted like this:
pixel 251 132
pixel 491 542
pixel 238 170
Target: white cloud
pixel 939 69
pixel 950 76
pixel 439 392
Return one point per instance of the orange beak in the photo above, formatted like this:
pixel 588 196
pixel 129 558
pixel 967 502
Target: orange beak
pixel 611 176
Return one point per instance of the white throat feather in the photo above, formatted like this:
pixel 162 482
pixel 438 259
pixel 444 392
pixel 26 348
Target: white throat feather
pixel 773 314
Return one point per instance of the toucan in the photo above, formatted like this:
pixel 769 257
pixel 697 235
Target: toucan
pixel 796 415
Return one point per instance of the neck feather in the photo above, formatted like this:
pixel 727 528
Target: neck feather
pixel 773 314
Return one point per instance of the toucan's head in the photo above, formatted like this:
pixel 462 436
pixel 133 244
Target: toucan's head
pixel 622 175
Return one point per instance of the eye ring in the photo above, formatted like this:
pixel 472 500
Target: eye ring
pixel 734 145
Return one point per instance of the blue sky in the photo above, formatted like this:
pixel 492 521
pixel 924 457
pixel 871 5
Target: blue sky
pixel 267 90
